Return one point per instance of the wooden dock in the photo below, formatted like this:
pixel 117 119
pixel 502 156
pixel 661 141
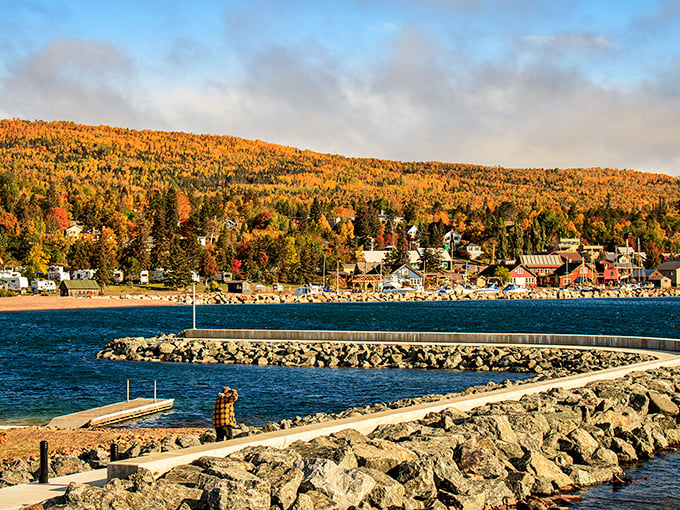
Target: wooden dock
pixel 113 413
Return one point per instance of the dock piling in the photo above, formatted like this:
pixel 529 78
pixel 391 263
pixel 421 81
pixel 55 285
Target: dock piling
pixel 44 462
pixel 114 452
pixel 128 391
pixel 154 390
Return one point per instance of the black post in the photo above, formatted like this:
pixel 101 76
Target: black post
pixel 44 461
pixel 114 452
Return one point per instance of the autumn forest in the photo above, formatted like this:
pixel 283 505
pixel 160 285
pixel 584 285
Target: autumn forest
pixel 144 199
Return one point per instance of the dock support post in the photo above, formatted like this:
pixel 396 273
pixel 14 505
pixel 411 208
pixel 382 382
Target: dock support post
pixel 44 463
pixel 194 307
pixel 128 391
pixel 154 391
pixel 114 452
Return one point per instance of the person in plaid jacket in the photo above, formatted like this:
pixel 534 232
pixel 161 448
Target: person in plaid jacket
pixel 223 413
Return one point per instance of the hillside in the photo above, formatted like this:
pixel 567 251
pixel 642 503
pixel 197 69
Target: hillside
pixel 110 198
pixel 138 161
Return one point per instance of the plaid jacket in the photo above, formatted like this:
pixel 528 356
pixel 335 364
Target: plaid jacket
pixel 223 411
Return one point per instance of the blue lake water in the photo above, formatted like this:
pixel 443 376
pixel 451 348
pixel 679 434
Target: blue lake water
pixel 48 365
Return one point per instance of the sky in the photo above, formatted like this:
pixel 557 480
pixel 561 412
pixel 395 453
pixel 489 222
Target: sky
pixel 515 83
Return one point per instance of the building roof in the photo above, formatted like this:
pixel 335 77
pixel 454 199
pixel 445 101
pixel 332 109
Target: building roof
pixel 530 261
pixel 669 265
pixel 80 284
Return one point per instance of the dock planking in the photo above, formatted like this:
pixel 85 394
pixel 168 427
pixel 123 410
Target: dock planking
pixel 112 413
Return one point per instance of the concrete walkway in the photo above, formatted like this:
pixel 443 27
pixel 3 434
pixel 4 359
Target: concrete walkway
pixel 18 496
pixel 12 498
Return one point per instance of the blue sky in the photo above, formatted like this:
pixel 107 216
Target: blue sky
pixel 520 83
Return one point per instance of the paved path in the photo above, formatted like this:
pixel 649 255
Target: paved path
pixel 112 413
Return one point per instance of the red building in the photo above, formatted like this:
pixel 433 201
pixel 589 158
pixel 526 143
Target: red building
pixel 581 274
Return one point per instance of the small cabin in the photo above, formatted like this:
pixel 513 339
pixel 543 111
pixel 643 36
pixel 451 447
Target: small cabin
pixel 79 288
pixel 239 287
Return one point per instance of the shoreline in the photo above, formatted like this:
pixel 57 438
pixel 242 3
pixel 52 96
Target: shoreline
pixel 56 302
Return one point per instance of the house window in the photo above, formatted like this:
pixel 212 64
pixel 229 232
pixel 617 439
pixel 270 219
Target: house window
pixel 520 271
pixel 584 270
pixel 567 281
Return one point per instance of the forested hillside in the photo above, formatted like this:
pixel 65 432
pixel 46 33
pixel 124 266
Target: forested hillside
pixel 123 186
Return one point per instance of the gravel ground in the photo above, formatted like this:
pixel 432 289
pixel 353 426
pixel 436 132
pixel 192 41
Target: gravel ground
pixel 24 442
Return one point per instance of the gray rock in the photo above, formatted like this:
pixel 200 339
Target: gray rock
pixel 417 477
pixel 186 475
pixel 660 403
pixel 381 455
pixel 542 468
pixel 345 487
pixel 15 477
pixel 339 451
pixel 236 490
pixel 68 464
pixel 97 458
pixel 268 455
pixel 387 493
pixel 447 476
pixel 495 492
pixel 215 465
pixel 623 450
pixel 475 460
pixel 284 480
pixel 187 440
pixel 459 502
pixel 319 501
pixel 520 483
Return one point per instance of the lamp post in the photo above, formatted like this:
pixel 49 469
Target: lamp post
pixel 193 285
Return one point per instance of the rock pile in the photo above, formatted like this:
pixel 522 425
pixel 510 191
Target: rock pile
pixel 546 362
pixel 218 298
pixel 497 454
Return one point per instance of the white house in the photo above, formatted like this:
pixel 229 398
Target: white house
pixel 474 251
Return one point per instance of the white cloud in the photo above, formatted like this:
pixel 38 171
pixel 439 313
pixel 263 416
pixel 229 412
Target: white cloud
pixel 422 102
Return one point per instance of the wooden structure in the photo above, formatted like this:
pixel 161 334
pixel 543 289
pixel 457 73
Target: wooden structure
pixel 114 413
pixel 79 288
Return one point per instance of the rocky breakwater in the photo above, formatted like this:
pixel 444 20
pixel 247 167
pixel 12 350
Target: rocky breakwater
pixel 546 362
pixel 221 298
pixel 520 453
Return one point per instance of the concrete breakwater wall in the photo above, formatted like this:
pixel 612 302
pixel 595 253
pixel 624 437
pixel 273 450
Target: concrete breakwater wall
pixel 217 298
pixel 547 362
pixel 523 450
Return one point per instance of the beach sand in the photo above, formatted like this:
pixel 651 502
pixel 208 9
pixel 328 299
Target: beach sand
pixel 55 302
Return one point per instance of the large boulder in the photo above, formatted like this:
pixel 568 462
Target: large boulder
pixel 417 477
pixel 540 466
pixel 473 459
pixel 235 489
pixel 660 403
pixel 337 450
pixel 69 464
pixel 285 481
pixel 387 493
pixel 345 487
pixel 381 455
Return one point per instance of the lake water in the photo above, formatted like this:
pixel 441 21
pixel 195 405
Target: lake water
pixel 48 365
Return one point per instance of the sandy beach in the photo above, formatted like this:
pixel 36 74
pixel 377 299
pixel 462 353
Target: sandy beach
pixel 55 302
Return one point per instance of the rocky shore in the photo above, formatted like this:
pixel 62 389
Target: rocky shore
pixel 217 298
pixel 519 453
pixel 545 362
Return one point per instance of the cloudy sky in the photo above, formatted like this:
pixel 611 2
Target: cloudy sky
pixel 517 83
